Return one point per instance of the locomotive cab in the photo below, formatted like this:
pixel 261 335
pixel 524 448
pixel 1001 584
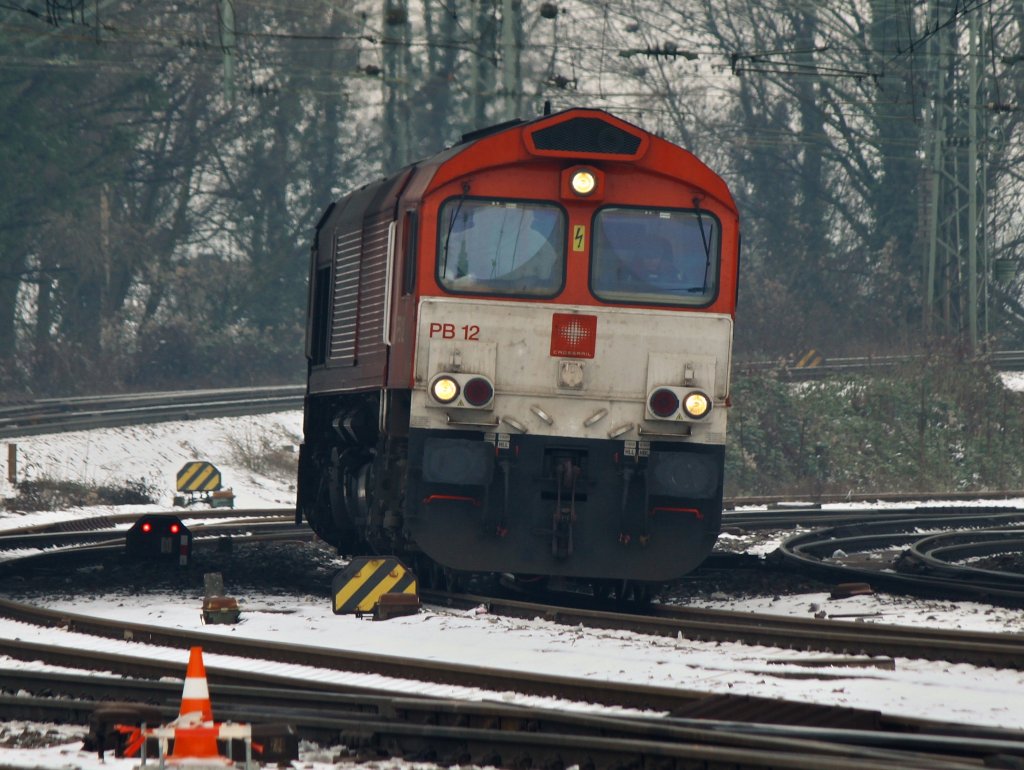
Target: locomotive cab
pixel 520 353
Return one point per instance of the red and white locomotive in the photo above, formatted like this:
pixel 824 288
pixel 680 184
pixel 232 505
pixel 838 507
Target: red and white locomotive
pixel 519 356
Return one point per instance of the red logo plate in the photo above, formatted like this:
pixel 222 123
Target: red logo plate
pixel 573 335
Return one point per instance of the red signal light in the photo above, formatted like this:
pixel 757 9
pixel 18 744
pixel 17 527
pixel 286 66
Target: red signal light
pixel 175 529
pixel 147 527
pixel 478 391
pixel 664 402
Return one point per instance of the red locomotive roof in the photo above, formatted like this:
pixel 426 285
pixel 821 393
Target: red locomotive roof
pixel 578 135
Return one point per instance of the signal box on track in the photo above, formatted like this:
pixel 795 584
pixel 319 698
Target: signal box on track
pixel 160 536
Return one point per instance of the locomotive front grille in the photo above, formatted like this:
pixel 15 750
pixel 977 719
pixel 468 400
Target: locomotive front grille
pixel 586 135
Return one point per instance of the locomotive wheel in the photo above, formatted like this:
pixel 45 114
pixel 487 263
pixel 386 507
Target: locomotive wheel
pixel 357 483
pixel 602 589
pixel 324 528
pixel 454 581
pixel 429 574
pixel 642 594
pixel 432 576
pixel 342 526
pixel 629 594
pixel 320 516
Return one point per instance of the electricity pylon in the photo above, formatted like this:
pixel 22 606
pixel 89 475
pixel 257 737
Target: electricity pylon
pixel 956 265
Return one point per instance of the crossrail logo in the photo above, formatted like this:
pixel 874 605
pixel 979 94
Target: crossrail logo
pixel 573 335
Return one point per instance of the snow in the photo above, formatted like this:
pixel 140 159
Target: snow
pixel 958 693
pixel 154 454
pixel 1013 380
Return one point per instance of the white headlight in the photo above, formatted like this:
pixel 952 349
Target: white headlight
pixel 445 389
pixel 696 404
pixel 584 182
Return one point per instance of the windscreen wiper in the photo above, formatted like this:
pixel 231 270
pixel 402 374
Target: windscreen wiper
pixel 705 241
pixel 451 226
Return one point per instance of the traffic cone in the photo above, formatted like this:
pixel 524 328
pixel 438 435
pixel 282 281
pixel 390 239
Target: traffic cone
pixel 195 734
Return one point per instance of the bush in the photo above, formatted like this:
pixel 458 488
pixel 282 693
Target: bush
pixel 52 495
pixel 938 425
pixel 261 450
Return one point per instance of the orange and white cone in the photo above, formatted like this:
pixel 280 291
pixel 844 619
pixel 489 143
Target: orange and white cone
pixel 195 734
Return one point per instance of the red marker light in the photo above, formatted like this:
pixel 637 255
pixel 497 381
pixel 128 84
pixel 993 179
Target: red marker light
pixel 147 527
pixel 478 391
pixel 175 529
pixel 663 402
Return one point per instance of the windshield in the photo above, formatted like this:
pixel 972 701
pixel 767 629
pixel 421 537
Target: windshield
pixel 501 247
pixel 652 256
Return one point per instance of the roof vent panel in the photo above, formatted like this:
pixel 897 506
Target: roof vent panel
pixel 588 136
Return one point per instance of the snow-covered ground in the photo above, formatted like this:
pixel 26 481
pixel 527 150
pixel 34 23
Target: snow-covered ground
pixel 1013 380
pixel 958 693
pixel 153 454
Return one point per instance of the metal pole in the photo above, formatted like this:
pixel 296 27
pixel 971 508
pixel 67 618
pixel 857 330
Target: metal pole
pixel 12 463
pixel 509 58
pixel 937 181
pixel 972 185
pixel 227 42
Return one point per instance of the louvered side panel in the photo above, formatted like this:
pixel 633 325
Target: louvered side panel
pixel 372 281
pixel 345 323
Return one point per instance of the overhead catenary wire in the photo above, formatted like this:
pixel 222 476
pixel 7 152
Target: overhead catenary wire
pixel 712 65
pixel 709 69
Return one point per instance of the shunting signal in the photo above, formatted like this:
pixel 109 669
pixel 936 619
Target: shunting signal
pixel 159 536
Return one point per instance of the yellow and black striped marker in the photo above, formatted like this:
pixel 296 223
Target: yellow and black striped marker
pixel 359 587
pixel 810 360
pixel 198 476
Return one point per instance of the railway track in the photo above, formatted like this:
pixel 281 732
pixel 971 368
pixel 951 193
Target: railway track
pixel 695 731
pixel 922 553
pixel 459 732
pixel 1004 360
pixel 826 635
pixel 782 516
pixel 60 546
pixel 744 731
pixel 808 745
pixel 837 637
pixel 55 415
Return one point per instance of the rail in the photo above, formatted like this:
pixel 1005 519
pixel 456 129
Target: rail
pixel 378 719
pixel 55 415
pixel 1004 360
